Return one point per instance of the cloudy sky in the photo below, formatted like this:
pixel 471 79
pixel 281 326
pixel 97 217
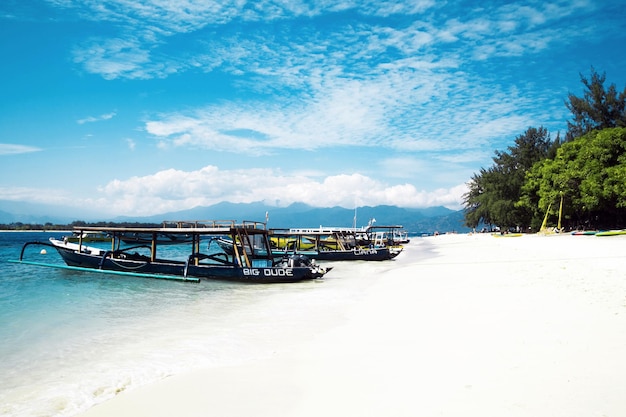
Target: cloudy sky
pixel 139 107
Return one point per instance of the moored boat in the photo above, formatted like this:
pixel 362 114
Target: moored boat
pixel 335 244
pixel 88 237
pixel 251 260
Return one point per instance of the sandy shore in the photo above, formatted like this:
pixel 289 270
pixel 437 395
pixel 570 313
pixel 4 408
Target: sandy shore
pixel 482 326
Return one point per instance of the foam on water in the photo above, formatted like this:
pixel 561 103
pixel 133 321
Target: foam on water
pixel 69 340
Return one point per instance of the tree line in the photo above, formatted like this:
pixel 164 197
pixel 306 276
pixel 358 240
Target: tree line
pixel 585 172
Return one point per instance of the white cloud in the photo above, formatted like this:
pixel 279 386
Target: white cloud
pixel 407 111
pixel 131 144
pixel 36 195
pixel 173 190
pixel 126 58
pixel 12 149
pixel 92 119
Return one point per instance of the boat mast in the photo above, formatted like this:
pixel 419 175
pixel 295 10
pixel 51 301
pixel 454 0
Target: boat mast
pixel 545 219
pixel 560 213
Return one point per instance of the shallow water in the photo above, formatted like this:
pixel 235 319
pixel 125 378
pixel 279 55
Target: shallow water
pixel 69 340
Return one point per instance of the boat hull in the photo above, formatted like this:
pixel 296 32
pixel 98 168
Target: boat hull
pixel 261 274
pixel 612 233
pixel 357 254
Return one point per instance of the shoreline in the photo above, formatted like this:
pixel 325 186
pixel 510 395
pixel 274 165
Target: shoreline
pixel 484 326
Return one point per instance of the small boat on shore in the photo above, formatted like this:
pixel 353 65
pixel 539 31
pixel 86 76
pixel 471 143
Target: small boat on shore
pixel 616 232
pixel 251 259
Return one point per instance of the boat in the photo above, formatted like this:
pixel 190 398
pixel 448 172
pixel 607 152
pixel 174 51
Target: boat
pixel 584 233
pixel 335 244
pixel 507 234
pixel 392 235
pixel 251 260
pixel 544 229
pixel 88 237
pixel 616 232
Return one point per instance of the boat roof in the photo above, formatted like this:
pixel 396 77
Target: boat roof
pixel 330 230
pixel 205 227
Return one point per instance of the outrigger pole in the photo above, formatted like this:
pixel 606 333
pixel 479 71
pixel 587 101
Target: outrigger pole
pixel 107 271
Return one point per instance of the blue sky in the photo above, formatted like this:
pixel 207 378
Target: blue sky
pixel 133 107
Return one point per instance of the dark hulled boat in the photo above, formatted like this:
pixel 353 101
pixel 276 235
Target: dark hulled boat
pixel 251 260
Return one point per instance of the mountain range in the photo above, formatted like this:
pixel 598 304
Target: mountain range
pixel 415 221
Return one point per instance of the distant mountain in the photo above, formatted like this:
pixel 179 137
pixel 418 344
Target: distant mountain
pixel 21 212
pixel 417 221
pixel 427 220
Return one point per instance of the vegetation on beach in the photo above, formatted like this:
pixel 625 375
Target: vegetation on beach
pixel 587 170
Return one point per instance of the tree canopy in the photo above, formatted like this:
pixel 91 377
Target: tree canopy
pixel 590 173
pixel 587 170
pixel 494 193
pixel 597 109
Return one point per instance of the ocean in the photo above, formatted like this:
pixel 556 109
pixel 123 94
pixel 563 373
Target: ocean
pixel 71 339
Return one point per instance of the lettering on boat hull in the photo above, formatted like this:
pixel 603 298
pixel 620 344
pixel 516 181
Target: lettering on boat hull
pixel 268 272
pixel 361 251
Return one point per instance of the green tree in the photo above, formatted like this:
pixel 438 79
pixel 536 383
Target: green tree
pixel 590 173
pixel 597 109
pixel 494 194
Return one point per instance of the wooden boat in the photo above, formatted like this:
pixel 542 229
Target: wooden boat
pixel 251 261
pixel 334 244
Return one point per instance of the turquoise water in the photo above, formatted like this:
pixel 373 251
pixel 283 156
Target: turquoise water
pixel 69 340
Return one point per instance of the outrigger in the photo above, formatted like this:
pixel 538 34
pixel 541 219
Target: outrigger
pixel 251 259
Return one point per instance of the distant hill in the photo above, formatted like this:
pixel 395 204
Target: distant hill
pixel 417 221
pixel 427 220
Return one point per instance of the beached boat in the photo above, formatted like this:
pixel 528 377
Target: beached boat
pixel 507 234
pixel 584 233
pixel 250 261
pixel 617 232
pixel 335 244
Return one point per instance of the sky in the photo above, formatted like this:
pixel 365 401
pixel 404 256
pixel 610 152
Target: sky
pixel 141 107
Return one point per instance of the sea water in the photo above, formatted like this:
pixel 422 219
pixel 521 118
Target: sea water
pixel 72 339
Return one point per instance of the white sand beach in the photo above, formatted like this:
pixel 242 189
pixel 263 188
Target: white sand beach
pixel 482 326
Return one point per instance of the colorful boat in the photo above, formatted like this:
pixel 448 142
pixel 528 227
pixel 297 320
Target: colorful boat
pixel 335 244
pixel 612 233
